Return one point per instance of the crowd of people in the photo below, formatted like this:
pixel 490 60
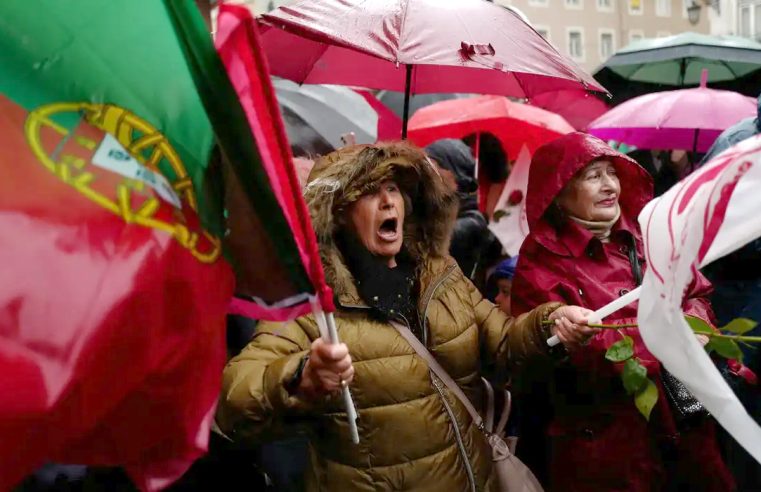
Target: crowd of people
pixel 404 240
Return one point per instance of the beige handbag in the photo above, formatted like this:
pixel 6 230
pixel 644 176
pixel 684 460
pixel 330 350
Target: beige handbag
pixel 512 473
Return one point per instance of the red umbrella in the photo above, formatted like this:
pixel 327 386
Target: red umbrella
pixel 514 124
pixel 579 108
pixel 446 45
pixel 389 124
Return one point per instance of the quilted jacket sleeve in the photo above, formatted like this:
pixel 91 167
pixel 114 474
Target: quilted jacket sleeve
pixel 253 385
pixel 508 340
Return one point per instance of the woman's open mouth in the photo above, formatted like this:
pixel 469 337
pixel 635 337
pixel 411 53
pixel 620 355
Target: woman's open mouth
pixel 388 230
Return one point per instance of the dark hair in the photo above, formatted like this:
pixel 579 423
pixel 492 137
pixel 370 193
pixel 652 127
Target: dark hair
pixel 492 157
pixel 555 216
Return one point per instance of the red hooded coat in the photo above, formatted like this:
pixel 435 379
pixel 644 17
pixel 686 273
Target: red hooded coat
pixel 598 439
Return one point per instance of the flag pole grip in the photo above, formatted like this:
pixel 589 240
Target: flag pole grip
pixel 351 411
pixel 326 322
pixel 605 311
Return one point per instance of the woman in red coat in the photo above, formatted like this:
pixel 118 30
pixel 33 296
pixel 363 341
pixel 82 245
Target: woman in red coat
pixel 582 205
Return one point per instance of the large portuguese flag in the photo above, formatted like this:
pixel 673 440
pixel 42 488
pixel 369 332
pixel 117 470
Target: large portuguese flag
pixel 113 283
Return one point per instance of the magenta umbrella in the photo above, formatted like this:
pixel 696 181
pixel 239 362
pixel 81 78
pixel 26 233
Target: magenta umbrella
pixel 579 108
pixel 445 45
pixel 687 119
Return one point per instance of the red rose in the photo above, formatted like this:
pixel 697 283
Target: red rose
pixel 515 197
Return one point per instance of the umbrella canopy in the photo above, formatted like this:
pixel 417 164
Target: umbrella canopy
pixel 514 124
pixel 389 123
pixel 689 119
pixel 331 110
pixel 680 59
pixel 446 45
pixel 395 100
pixel 304 140
pixel 579 108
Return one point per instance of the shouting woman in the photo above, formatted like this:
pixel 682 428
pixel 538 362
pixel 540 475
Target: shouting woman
pixel 383 216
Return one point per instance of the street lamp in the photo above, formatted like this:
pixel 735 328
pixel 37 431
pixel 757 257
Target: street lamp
pixel 693 13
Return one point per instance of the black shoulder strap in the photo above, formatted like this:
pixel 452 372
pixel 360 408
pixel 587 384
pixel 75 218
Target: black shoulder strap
pixel 634 261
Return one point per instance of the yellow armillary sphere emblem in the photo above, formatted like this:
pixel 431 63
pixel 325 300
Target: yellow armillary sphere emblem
pixel 132 148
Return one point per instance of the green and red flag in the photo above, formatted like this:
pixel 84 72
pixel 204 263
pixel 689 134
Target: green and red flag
pixel 277 211
pixel 114 289
pixel 114 285
pixel 271 241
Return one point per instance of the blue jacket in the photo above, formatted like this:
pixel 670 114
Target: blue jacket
pixel 737 276
pixel 735 134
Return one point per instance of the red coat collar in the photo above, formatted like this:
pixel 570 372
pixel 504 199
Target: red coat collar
pixel 574 240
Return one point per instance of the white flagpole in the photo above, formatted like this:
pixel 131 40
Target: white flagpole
pixel 329 333
pixel 605 311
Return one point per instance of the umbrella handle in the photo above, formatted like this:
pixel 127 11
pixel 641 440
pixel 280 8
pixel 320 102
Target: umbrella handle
pixel 407 89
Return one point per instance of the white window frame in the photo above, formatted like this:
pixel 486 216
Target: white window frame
pixel 661 13
pixel 753 26
pixel 570 6
pixel 542 27
pixel 663 34
pixel 609 8
pixel 600 32
pixel 740 9
pixel 688 3
pixel 580 30
pixel 638 32
pixel 641 10
pixel 539 3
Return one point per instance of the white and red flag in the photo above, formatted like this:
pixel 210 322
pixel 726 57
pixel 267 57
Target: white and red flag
pixel 711 213
pixel 510 224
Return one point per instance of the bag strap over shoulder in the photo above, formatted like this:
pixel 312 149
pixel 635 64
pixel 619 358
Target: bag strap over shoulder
pixel 439 371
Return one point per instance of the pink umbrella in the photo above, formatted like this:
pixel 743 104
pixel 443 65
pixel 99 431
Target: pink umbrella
pixel 687 119
pixel 446 45
pixel 579 108
pixel 389 124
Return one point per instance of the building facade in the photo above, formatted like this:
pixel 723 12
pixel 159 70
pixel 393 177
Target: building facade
pixel 747 18
pixel 589 31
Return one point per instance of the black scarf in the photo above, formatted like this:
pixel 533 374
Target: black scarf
pixel 390 292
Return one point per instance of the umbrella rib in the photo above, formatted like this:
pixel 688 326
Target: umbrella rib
pixel 639 67
pixel 313 62
pixel 734 74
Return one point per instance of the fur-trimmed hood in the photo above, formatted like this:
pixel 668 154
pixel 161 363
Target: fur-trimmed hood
pixel 340 178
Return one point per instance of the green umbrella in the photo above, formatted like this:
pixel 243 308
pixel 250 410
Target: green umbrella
pixel 679 60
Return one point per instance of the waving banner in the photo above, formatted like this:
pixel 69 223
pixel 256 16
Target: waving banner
pixel 510 224
pixel 113 290
pixel 712 213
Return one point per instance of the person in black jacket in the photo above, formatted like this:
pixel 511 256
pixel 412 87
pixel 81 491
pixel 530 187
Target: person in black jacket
pixel 471 237
pixel 737 294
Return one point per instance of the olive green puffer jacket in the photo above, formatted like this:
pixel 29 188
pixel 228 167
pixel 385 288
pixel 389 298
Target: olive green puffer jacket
pixel 413 435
